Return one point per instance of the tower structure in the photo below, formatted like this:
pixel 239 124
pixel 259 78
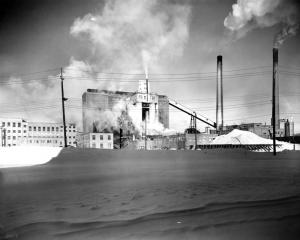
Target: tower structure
pixel 219 95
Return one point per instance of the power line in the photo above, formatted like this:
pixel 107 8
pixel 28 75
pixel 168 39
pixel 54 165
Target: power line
pixel 158 74
pixel 28 74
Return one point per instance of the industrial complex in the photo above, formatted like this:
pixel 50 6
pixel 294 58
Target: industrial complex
pixel 140 120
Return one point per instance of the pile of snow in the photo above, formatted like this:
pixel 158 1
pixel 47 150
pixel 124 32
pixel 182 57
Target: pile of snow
pixel 20 156
pixel 244 137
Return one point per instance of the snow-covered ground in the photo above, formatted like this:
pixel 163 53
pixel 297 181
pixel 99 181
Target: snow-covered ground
pixel 102 194
pixel 20 156
pixel 244 137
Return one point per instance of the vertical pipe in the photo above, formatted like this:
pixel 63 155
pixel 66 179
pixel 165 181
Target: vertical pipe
pixel 275 103
pixel 219 93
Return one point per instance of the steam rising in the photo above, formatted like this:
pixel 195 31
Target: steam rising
pixel 123 36
pixel 249 14
pixel 129 36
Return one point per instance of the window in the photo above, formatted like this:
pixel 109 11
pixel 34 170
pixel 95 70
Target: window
pixel 14 137
pixel 93 137
pixel 24 126
pixel 56 129
pixel 53 129
pixel 39 129
pixel 14 131
pixel 30 128
pixel 19 124
pixel 14 124
pixel 8 124
pixel 19 131
pixel 3 124
pixel 8 131
pixel 8 137
pixel 101 137
pixel 109 145
pixel 109 137
pixel 101 145
pixel 34 128
pixel 48 129
pixel 94 145
pixel 44 129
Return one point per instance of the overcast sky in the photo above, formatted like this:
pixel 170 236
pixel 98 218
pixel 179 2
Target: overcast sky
pixel 91 37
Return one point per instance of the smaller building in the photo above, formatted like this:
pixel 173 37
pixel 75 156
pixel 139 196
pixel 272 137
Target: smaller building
pixel 96 140
pixel 14 131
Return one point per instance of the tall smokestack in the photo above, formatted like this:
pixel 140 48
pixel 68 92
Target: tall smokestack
pixel 276 87
pixel 275 98
pixel 219 94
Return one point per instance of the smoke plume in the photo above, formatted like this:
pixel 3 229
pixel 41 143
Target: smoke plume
pixel 129 36
pixel 123 36
pixel 133 36
pixel 247 15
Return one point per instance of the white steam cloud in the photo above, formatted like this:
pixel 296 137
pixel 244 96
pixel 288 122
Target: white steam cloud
pixel 135 34
pixel 124 36
pixel 249 14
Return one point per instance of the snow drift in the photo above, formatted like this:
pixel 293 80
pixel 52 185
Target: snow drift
pixel 21 156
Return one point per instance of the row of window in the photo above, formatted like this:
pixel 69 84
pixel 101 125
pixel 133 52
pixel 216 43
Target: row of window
pixel 101 145
pixel 101 137
pixel 13 124
pixel 14 137
pixel 39 129
pixel 15 131
pixel 48 141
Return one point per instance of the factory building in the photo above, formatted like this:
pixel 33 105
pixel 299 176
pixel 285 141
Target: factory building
pixel 96 140
pixel 135 110
pixel 19 132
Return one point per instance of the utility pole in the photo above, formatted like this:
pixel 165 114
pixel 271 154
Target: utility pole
pixel 63 99
pixel 195 119
pixel 146 131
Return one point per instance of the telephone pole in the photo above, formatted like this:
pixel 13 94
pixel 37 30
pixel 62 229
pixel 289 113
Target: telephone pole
pixel 195 119
pixel 63 99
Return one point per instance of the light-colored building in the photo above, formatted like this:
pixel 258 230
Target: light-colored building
pixel 19 132
pixel 96 140
pixel 51 134
pixel 14 131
